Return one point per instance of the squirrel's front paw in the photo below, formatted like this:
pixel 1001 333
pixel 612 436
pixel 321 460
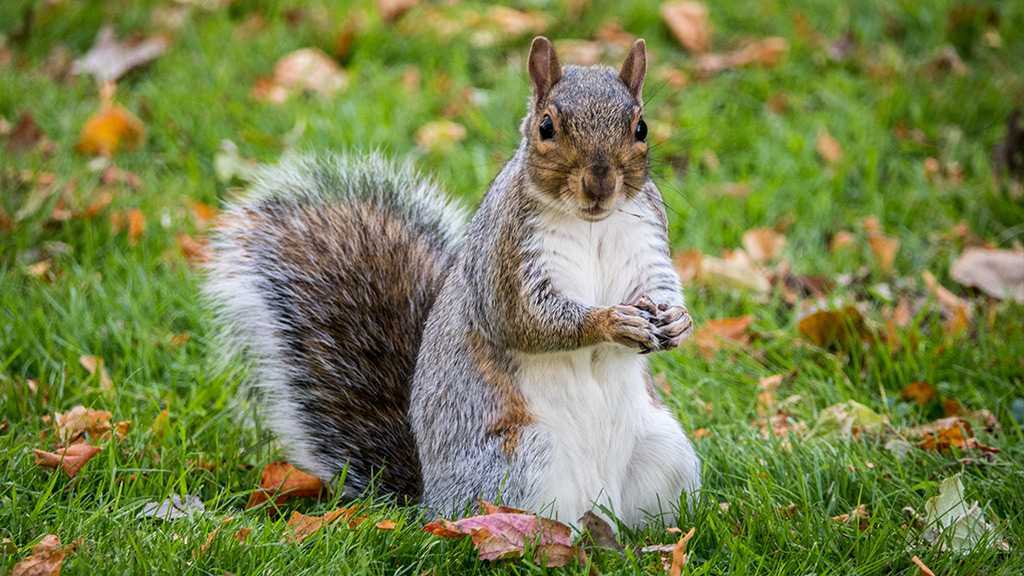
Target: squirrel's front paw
pixel 674 323
pixel 629 326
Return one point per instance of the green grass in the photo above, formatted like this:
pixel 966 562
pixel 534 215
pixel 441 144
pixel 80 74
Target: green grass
pixel 124 302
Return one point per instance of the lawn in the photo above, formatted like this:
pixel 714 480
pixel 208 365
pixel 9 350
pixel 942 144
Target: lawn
pixel 866 115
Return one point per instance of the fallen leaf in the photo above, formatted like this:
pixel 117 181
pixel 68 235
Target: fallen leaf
pixel 173 508
pixel 859 515
pixel 763 244
pixel 921 567
pixel 40 270
pixel 713 335
pixel 884 248
pixel 600 532
pixel 94 365
pixel 829 327
pixel 956 311
pixel 243 534
pixel 46 558
pixel 512 23
pixel 70 459
pixel 160 423
pixel 849 419
pixel 440 135
pixel 679 553
pixel 920 392
pixel 579 52
pixel 203 213
pixel 136 225
pixel 765 52
pixel 391 10
pixel 282 481
pixel 841 240
pixel 946 433
pixel 956 527
pixel 735 270
pixel 74 423
pixel 25 135
pixel 385 525
pixel 503 533
pixel 688 265
pixel 828 147
pixel 304 70
pixel 211 537
pixel 689 23
pixel 998 273
pixel 110 130
pixel 303 526
pixel 195 251
pixel 109 58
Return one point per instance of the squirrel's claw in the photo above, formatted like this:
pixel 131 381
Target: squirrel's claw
pixel 632 327
pixel 675 325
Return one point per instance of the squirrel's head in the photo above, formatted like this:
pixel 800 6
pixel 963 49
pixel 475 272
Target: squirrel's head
pixel 586 137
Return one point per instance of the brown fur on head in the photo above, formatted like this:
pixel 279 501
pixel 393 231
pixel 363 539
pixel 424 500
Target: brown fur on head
pixel 586 150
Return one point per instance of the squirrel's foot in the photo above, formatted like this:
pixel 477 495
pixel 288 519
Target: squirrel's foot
pixel 629 326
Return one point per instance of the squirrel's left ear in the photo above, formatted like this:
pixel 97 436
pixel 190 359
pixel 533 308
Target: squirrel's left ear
pixel 635 68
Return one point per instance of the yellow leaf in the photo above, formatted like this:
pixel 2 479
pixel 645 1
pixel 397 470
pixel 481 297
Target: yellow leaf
pixel 109 130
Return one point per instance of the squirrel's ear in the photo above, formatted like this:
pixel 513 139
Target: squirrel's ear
pixel 635 68
pixel 545 70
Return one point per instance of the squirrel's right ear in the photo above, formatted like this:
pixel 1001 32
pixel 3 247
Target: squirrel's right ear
pixel 545 70
pixel 635 68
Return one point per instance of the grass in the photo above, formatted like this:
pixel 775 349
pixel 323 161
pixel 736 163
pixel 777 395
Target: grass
pixel 124 302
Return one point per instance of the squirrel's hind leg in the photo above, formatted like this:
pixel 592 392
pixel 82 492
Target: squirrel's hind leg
pixel 663 466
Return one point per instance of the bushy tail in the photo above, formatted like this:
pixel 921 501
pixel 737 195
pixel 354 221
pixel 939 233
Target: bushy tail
pixel 323 277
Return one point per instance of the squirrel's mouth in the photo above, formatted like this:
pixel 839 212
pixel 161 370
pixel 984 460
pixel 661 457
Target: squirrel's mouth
pixel 594 212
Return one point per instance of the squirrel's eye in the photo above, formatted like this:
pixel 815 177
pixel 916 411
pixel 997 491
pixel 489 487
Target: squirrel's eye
pixel 546 128
pixel 641 131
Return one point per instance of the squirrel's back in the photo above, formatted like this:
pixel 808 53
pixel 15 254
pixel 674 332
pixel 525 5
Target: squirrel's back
pixel 323 276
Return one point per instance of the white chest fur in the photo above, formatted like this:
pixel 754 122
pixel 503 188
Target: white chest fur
pixel 591 404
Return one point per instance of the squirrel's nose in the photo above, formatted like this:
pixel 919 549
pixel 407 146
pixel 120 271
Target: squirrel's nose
pixel 598 182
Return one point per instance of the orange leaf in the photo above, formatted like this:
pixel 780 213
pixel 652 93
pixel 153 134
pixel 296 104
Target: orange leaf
pixel 303 526
pixel 688 265
pixel 136 225
pixel 688 22
pixel 109 130
pixel 679 553
pixel 70 459
pixel 715 334
pixel 243 534
pixel 46 559
pixel 884 248
pixel 828 147
pixel 71 425
pixel 946 433
pixel 922 568
pixel 282 481
pixel 920 392
pixel 195 251
pixel 385 525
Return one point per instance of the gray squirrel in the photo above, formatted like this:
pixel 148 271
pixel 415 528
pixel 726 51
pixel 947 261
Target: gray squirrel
pixel 503 359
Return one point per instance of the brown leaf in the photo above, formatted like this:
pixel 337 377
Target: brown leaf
pixel 601 533
pixel 828 147
pixel 109 58
pixel 766 52
pixel 679 553
pixel 956 310
pixel 504 533
pixel 884 248
pixel 440 135
pixel 832 326
pixel 304 70
pixel 70 459
pixel 243 534
pixel 71 425
pixel 282 481
pixel 735 270
pixel 946 433
pixel 920 392
pixel 25 135
pixel 713 335
pixel 391 10
pixel 763 244
pixel 94 365
pixel 514 23
pixel 859 514
pixel 841 240
pixel 688 21
pixel 40 269
pixel 136 225
pixel 303 526
pixel 998 273
pixel 195 251
pixel 46 558
pixel 385 525
pixel 688 264
pixel 110 130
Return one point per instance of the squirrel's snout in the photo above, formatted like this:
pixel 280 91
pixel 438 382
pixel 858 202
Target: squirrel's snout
pixel 598 183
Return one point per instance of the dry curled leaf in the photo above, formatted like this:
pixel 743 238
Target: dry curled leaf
pixel 385 525
pixel 688 21
pixel 504 533
pixel 735 270
pixel 94 365
pixel 679 553
pixel 70 459
pixel 74 423
pixel 946 433
pixel 194 251
pixel 304 70
pixel 763 244
pixel 173 508
pixel 829 327
pixel 109 58
pixel 282 481
pixel 849 419
pixel 302 526
pixel 600 532
pixel 828 147
pixel 440 135
pixel 766 52
pixel 713 335
pixel 998 273
pixel 859 515
pixel 46 558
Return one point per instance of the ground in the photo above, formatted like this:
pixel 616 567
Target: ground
pixel 737 150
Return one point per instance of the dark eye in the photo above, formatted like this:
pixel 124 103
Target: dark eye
pixel 546 128
pixel 641 131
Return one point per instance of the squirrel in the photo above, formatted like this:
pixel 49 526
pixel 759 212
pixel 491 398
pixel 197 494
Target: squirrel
pixel 503 358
